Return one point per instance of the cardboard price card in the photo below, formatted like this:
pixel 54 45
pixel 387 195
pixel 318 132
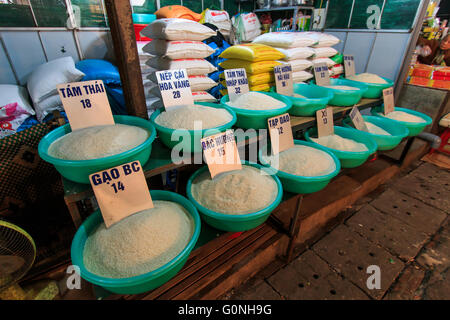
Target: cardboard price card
pixel 321 74
pixel 388 98
pixel 174 87
pixel 237 82
pixel 349 65
pixel 85 104
pixel 325 122
pixel 358 120
pixel 121 191
pixel 221 153
pixel 280 133
pixel 283 79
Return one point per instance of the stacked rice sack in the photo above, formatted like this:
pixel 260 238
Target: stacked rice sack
pixel 302 50
pixel 258 60
pixel 145 71
pixel 177 44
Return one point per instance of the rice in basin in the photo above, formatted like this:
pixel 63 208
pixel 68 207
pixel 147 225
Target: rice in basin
pixel 97 142
pixel 346 88
pixel 235 192
pixel 404 116
pixel 186 116
pixel 374 129
pixel 256 101
pixel 140 243
pixel 303 161
pixel 367 77
pixel 337 142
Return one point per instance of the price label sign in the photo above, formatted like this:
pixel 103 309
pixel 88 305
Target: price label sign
pixel 358 120
pixel 325 122
pixel 349 65
pixel 121 191
pixel 283 79
pixel 388 98
pixel 85 104
pixel 174 87
pixel 321 74
pixel 237 82
pixel 221 153
pixel 280 133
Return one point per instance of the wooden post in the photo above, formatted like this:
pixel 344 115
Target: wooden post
pixel 125 49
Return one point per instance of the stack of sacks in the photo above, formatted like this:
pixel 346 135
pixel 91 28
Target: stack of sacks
pixel 338 68
pixel 145 71
pixel 297 47
pixel 258 60
pixel 177 44
pixel 42 84
pixel 219 18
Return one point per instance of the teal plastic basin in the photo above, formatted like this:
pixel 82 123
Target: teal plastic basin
pixel 316 98
pixel 144 282
pixel 413 128
pixel 397 131
pixel 374 90
pixel 302 184
pixel 189 140
pixel 348 159
pixel 257 119
pixel 231 222
pixel 345 98
pixel 79 170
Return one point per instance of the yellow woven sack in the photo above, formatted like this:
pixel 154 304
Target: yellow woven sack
pixel 253 52
pixel 262 87
pixel 256 79
pixel 250 67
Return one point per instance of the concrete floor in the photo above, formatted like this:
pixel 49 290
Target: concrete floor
pixel 403 228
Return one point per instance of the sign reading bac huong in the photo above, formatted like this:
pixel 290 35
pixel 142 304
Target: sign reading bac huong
pixel 237 82
pixel 283 79
pixel 174 87
pixel 86 104
pixel 121 191
pixel 349 65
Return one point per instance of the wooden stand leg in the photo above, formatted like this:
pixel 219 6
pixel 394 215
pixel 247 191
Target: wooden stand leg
pixel 405 150
pixel 74 213
pixel 294 229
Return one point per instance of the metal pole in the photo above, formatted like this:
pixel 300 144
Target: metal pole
pixel 38 33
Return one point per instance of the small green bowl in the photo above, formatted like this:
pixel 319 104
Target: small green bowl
pixel 189 140
pixel 316 98
pixel 375 90
pixel 348 159
pixel 257 119
pixel 79 170
pixel 384 142
pixel 414 128
pixel 302 184
pixel 144 282
pixel 234 222
pixel 345 98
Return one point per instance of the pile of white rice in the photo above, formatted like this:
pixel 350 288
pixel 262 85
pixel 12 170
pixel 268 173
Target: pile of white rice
pixel 184 117
pixel 256 101
pixel 139 243
pixel 374 129
pixel 342 88
pixel 337 142
pixel 303 161
pixel 368 77
pixel 235 192
pixel 97 142
pixel 404 116
pixel 296 95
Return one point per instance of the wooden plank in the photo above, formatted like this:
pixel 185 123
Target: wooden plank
pixel 125 49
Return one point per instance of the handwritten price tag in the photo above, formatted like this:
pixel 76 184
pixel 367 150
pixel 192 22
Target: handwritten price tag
pixel 321 74
pixel 388 98
pixel 358 120
pixel 280 133
pixel 221 153
pixel 121 191
pixel 85 104
pixel 283 79
pixel 237 82
pixel 349 65
pixel 174 87
pixel 325 122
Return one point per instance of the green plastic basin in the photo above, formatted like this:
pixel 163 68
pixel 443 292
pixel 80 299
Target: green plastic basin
pixel 384 142
pixel 316 98
pixel 257 119
pixel 302 184
pixel 348 159
pixel 375 90
pixel 79 170
pixel 413 127
pixel 345 98
pixel 231 222
pixel 144 282
pixel 189 140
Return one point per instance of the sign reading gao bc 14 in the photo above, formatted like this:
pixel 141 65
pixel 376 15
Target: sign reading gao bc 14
pixel 175 87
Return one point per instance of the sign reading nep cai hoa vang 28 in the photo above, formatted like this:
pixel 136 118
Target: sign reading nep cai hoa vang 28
pixel 174 87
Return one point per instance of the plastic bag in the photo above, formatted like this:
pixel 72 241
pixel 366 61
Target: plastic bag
pixel 177 11
pixel 252 52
